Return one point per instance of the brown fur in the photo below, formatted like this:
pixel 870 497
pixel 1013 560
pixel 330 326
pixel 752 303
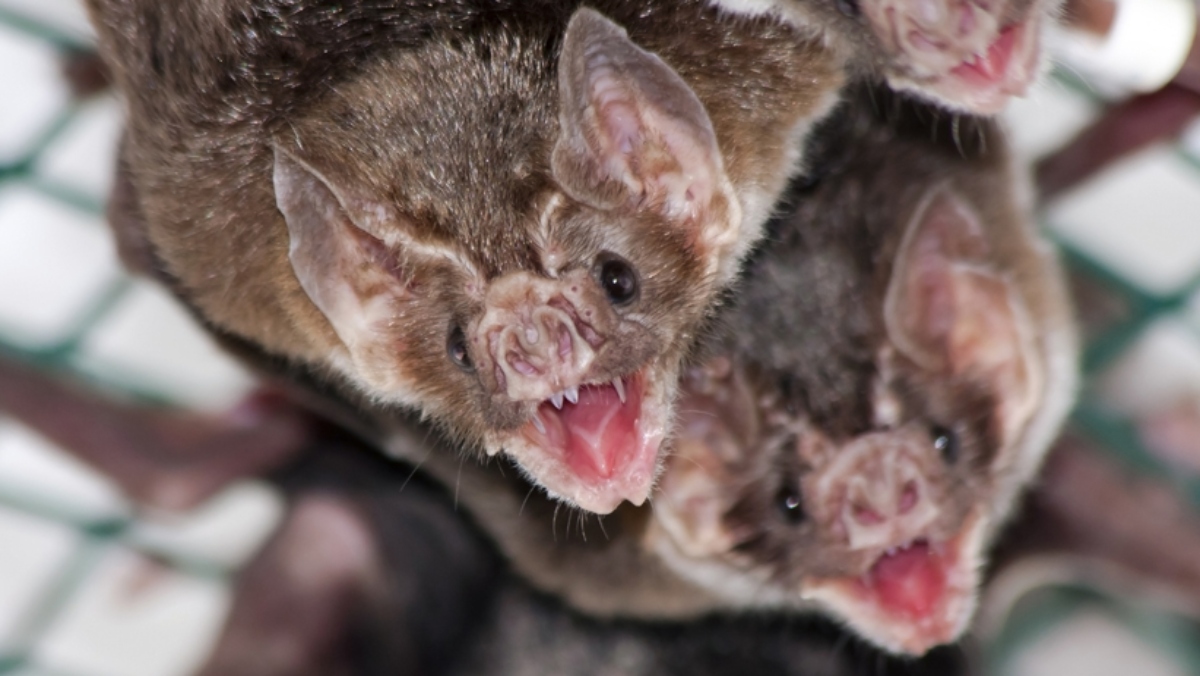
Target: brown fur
pixel 444 118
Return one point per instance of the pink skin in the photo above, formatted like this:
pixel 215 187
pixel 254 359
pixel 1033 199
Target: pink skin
pixel 540 335
pixel 968 54
pixel 916 595
pixel 882 497
pixel 594 433
pixel 600 450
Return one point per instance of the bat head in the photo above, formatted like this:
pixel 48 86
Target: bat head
pixel 521 255
pixel 881 522
pixel 969 55
pixel 972 55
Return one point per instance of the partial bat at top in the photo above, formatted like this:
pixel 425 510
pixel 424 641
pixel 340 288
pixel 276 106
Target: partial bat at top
pixel 510 216
pixel 969 55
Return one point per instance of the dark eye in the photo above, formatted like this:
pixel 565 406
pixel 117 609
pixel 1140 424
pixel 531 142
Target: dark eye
pixel 945 440
pixel 848 7
pixel 617 278
pixel 456 348
pixel 791 505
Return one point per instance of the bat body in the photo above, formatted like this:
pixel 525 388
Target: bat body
pixel 511 217
pixel 967 55
pixel 865 464
pixel 367 578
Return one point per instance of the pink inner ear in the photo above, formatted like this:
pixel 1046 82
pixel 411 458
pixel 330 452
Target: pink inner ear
pixel 349 274
pixel 624 129
pixel 951 308
pixel 922 306
pixel 691 503
pixel 633 133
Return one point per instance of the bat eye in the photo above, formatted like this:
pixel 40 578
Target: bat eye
pixel 945 440
pixel 791 505
pixel 848 7
pixel 617 278
pixel 456 349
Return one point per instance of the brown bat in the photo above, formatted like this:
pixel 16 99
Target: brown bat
pixel 511 216
pixel 932 361
pixel 968 55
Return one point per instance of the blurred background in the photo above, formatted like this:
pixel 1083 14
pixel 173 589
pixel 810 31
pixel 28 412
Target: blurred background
pixel 91 586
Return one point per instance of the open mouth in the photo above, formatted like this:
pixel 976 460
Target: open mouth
pixel 1007 69
pixel 593 425
pixel 909 582
pixel 597 444
pixel 913 597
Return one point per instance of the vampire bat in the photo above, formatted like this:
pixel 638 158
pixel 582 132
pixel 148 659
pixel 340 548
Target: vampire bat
pixel 931 363
pixel 372 572
pixel 510 216
pixel 969 55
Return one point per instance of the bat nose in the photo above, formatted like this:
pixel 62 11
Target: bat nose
pixel 885 499
pixel 537 338
pixel 541 354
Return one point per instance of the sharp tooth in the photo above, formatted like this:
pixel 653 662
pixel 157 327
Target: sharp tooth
pixel 537 422
pixel 556 399
pixel 573 394
pixel 618 384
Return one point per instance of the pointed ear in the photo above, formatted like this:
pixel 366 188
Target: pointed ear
pixel 349 274
pixel 634 133
pixel 693 498
pixel 949 309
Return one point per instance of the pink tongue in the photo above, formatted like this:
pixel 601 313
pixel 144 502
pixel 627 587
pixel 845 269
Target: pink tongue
pixel 910 583
pixel 995 65
pixel 601 432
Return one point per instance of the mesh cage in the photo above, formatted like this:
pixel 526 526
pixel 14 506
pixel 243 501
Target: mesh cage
pixel 89 587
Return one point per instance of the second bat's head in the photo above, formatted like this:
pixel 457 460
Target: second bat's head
pixel 870 484
pixel 517 235
pixel 969 55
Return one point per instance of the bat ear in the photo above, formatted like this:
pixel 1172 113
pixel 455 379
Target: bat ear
pixel 693 499
pixel 633 133
pixel 347 272
pixel 949 309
